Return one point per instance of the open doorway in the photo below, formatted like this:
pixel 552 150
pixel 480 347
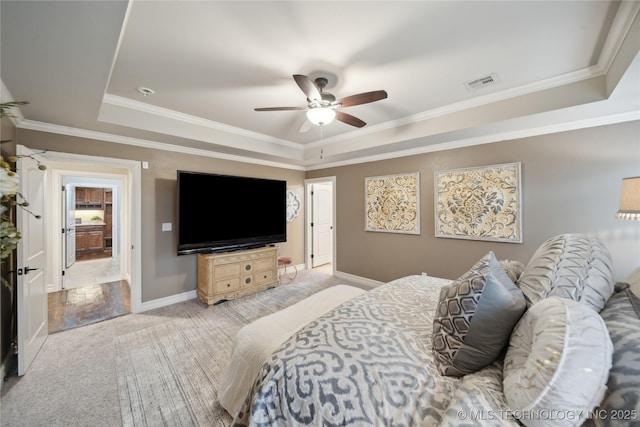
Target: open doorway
pixel 94 271
pixel 93 286
pixel 320 221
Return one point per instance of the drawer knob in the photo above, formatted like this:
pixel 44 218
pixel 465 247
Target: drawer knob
pixel 247 267
pixel 228 285
pixel 247 280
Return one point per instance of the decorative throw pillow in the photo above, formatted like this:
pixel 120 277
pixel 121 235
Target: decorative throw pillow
pixel 621 404
pixel 574 266
pixel 475 317
pixel 557 362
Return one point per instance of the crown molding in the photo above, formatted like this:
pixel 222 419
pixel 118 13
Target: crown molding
pixel 627 12
pixel 316 165
pixel 137 142
pixel 486 139
pixel 166 113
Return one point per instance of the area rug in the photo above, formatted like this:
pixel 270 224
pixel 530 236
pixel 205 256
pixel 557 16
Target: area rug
pixel 168 374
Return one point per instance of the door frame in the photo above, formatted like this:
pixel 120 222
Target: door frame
pixel 78 178
pixel 130 172
pixel 308 185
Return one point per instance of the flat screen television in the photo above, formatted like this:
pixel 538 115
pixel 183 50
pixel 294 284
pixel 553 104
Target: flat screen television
pixel 220 213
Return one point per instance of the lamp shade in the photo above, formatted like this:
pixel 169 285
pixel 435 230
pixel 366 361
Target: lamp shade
pixel 630 199
pixel 321 115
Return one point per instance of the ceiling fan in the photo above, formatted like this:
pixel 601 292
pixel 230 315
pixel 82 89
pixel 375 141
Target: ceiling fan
pixel 322 107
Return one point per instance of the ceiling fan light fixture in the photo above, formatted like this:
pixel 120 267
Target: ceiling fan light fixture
pixel 321 115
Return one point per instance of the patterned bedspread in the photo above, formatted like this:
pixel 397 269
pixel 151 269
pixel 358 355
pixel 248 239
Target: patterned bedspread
pixel 369 362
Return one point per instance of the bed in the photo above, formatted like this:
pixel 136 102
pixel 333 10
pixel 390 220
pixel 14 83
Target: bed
pixel 378 359
pixel 256 341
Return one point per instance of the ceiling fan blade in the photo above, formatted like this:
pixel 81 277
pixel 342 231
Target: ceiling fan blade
pixel 308 87
pixel 305 127
pixel 280 108
pixel 349 119
pixel 362 98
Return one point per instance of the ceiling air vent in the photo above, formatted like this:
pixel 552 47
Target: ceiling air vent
pixel 482 82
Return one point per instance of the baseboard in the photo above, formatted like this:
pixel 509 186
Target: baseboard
pixel 365 282
pixel 173 299
pixel 186 296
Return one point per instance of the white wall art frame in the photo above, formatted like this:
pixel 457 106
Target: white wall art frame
pixel 392 203
pixel 293 205
pixel 479 203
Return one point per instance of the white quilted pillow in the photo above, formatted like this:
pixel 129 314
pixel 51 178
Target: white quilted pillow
pixel 575 266
pixel 557 364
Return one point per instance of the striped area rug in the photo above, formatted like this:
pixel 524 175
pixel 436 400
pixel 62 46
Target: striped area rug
pixel 168 374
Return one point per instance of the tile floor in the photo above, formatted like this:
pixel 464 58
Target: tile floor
pixel 92 292
pixel 71 308
pixel 92 272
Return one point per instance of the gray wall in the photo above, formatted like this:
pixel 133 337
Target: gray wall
pixel 163 272
pixel 570 183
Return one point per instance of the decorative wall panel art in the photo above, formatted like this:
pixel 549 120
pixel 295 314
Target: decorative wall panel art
pixel 393 203
pixel 480 203
pixel 293 205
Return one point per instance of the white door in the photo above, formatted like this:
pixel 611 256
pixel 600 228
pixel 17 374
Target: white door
pixel 322 199
pixel 69 224
pixel 31 257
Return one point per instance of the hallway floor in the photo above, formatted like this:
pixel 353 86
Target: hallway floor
pixel 93 291
pixel 92 272
pixel 71 308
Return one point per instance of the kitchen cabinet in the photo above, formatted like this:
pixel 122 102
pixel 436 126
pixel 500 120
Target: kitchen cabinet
pixel 108 219
pixel 89 198
pixel 89 239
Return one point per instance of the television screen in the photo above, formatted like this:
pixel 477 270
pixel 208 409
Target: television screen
pixel 218 213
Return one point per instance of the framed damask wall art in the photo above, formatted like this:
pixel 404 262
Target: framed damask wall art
pixel 392 203
pixel 479 203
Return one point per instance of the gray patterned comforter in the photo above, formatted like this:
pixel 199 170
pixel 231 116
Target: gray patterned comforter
pixel 368 362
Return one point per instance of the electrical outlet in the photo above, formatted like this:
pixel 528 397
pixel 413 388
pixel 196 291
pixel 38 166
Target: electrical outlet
pixel 166 226
pixel 424 274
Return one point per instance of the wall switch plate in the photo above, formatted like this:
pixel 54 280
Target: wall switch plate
pixel 145 165
pixel 166 226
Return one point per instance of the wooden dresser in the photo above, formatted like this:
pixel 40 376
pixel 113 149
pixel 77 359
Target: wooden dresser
pixel 234 274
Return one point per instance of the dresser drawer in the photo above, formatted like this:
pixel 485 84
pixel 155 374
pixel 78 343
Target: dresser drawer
pixel 225 270
pixel 236 274
pixel 230 284
pixel 262 277
pixel 264 264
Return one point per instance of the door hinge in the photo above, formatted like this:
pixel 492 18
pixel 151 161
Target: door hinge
pixel 312 224
pixel 63 230
pixel 311 256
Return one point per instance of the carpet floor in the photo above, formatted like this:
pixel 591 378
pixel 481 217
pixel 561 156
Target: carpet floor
pixel 160 367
